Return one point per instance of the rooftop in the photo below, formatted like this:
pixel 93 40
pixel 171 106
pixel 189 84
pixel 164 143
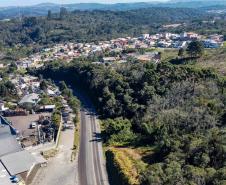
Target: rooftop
pixel 4 176
pixel 30 98
pixel 8 142
pixel 18 162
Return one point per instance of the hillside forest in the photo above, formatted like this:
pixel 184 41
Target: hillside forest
pixel 174 114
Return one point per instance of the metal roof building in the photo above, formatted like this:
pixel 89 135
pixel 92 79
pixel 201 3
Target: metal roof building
pixel 30 98
pixel 13 159
pixel 8 142
pixel 18 162
pixel 4 176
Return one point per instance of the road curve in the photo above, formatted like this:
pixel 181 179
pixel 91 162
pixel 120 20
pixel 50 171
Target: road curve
pixel 91 163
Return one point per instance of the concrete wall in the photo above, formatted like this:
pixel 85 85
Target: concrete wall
pixel 31 174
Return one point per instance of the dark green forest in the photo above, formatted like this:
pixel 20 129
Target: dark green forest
pixel 7 88
pixel 41 9
pixel 179 111
pixel 86 26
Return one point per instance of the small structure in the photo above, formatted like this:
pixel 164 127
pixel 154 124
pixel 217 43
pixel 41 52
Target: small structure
pixel 2 107
pixel 29 101
pixel 47 108
pixel 109 59
pixel 50 92
pixel 211 44
pixel 24 64
pixel 16 112
pixel 2 66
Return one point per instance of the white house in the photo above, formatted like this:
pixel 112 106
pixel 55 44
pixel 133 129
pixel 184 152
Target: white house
pixel 2 107
pixel 29 100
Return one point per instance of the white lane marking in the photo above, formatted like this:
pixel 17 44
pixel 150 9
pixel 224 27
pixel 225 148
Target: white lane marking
pixel 103 162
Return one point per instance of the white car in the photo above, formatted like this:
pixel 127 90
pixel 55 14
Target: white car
pixel 33 125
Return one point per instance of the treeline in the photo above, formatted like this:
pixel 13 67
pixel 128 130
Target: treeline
pixel 7 88
pixel 73 102
pixel 86 26
pixel 179 111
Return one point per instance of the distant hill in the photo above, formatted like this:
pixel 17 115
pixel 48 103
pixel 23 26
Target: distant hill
pixel 207 1
pixel 196 3
pixel 41 9
pixel 87 26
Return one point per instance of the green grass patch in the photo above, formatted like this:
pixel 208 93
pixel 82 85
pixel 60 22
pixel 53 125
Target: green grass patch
pixel 49 153
pixel 214 59
pixel 121 168
pixel 168 54
pixel 76 137
pixel 125 164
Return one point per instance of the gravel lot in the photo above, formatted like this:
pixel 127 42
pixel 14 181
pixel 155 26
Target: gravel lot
pixel 21 123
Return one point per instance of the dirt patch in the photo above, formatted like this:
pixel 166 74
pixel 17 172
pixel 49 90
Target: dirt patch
pixel 49 153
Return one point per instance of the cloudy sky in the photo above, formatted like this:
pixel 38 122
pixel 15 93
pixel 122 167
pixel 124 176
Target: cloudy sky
pixel 32 2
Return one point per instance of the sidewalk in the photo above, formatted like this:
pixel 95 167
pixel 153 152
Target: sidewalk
pixel 60 169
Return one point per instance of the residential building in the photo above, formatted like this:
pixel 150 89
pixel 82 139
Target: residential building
pixel 29 101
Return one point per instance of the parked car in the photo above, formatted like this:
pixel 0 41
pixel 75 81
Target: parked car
pixel 65 114
pixel 33 125
pixel 14 179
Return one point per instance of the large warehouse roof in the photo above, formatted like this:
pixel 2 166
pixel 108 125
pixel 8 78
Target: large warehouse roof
pixel 8 142
pixel 18 162
pixel 4 176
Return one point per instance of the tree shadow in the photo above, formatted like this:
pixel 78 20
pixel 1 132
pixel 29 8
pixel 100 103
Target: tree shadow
pixel 97 137
pixel 156 156
pixel 182 61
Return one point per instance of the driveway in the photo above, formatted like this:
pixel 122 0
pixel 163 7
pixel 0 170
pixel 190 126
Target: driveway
pixel 60 169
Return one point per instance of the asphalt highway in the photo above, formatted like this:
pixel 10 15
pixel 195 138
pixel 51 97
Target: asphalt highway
pixel 91 163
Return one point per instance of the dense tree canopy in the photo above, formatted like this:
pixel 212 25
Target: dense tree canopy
pixel 86 26
pixel 195 49
pixel 178 110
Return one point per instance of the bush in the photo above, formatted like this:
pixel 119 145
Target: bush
pixel 121 169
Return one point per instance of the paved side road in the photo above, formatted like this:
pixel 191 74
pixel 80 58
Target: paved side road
pixel 60 170
pixel 91 163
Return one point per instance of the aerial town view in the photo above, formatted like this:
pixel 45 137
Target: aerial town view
pixel 118 50
pixel 113 92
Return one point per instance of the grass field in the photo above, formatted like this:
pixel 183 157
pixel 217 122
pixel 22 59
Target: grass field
pixel 127 164
pixel 76 138
pixel 168 54
pixel 215 59
pixel 212 58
